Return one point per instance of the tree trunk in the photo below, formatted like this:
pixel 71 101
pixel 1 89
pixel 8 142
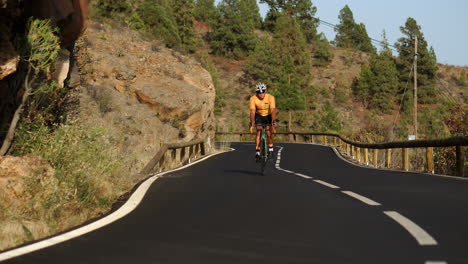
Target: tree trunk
pixel 291 137
pixel 16 117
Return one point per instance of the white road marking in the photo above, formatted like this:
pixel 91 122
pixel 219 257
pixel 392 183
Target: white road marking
pixel 361 198
pixel 435 262
pixel 423 238
pixel 303 176
pixel 288 171
pixel 327 184
pixel 124 210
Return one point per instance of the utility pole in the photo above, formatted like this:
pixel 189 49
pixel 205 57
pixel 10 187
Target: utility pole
pixel 415 118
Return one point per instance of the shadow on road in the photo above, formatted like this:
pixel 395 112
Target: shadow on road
pixel 256 173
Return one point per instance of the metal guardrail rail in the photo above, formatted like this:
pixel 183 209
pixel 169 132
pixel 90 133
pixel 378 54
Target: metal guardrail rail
pixel 178 153
pixel 360 151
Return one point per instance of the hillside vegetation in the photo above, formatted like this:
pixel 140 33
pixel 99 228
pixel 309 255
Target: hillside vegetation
pixel 342 86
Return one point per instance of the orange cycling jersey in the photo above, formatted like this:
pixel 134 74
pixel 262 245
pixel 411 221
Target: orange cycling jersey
pixel 262 107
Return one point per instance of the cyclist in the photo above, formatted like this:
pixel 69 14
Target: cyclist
pixel 262 111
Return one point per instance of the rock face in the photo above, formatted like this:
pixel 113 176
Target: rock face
pixel 8 57
pixel 147 93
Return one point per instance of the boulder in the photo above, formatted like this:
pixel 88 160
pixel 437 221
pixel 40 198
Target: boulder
pixel 8 57
pixel 15 171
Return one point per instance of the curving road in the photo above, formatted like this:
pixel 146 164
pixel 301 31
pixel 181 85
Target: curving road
pixel 311 207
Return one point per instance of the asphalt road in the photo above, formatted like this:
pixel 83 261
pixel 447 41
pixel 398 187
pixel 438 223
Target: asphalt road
pixel 313 207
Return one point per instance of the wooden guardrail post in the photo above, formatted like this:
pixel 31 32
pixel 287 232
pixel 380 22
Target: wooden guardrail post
pixel 202 148
pixel 358 154
pixel 430 159
pixel 334 141
pixel 347 149
pixel 190 152
pixel 174 155
pixel 366 156
pixel 182 154
pixel 197 149
pixel 325 140
pixel 388 158
pixel 460 161
pixel 405 159
pixel 353 151
pixel 375 158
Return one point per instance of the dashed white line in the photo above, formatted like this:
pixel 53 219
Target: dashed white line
pixel 303 176
pixel 361 198
pixel 423 238
pixel 327 184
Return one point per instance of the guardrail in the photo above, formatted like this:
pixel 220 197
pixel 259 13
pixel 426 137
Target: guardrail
pixel 179 153
pixel 359 152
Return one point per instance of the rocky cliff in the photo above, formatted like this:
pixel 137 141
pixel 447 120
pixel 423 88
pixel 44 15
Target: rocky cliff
pixel 145 93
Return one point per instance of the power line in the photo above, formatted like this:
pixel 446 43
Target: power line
pixel 381 43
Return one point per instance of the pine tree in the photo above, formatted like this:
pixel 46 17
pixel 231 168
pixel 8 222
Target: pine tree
pixel 283 63
pixel 302 10
pixel 262 64
pixel 361 40
pixel 385 83
pixel 183 14
pixel 322 53
pixel 378 82
pixel 108 8
pixel 158 16
pixel 327 119
pixel 349 34
pixel 385 45
pixel 251 13
pixel 205 10
pixel 344 30
pixel 233 35
pixel 427 66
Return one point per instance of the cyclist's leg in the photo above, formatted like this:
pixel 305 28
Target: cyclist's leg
pixel 269 135
pixel 258 135
pixel 257 138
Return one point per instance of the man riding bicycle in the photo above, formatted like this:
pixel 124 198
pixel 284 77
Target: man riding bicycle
pixel 262 112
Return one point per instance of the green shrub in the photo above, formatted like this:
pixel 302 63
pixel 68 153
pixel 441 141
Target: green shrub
pixel 327 119
pixel 41 46
pixel 160 21
pixel 107 8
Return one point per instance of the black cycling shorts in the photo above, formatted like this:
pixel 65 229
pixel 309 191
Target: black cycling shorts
pixel 262 120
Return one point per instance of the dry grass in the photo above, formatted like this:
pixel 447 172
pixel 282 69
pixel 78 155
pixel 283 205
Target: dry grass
pixel 88 179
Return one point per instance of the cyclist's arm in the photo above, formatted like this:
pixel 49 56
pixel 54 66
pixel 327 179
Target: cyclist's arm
pixel 273 116
pixel 252 117
pixel 252 108
pixel 273 111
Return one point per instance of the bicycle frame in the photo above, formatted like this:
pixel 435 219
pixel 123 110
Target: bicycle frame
pixel 263 146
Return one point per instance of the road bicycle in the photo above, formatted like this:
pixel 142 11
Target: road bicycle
pixel 264 156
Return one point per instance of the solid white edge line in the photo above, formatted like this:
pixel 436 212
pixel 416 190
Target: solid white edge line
pixel 303 176
pixel 124 210
pixel 361 198
pixel 435 262
pixel 327 184
pixel 422 237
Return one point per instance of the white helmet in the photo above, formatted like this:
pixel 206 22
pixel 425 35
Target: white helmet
pixel 260 88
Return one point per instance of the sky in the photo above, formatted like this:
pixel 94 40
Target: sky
pixel 443 23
